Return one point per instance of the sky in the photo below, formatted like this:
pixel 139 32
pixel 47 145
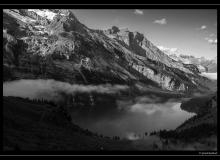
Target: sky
pixel 188 31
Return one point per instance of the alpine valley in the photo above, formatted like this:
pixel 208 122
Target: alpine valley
pixel 58 74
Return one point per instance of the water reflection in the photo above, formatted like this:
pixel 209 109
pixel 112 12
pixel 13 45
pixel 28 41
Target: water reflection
pixel 124 118
pixel 133 120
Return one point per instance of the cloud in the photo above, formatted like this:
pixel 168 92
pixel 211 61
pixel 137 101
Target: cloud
pixel 161 21
pixel 138 12
pixel 162 48
pixel 211 41
pixel 203 27
pixel 53 90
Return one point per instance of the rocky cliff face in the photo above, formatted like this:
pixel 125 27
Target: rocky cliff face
pixel 40 43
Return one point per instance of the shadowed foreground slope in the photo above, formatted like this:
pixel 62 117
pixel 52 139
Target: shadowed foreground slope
pixel 32 126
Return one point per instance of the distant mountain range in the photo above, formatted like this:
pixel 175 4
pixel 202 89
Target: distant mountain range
pixel 52 43
pixel 203 64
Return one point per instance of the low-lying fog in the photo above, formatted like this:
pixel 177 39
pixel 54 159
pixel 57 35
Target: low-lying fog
pixel 51 89
pixel 128 118
pixel 212 76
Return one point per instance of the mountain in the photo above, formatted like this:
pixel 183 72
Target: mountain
pixel 203 64
pixel 52 43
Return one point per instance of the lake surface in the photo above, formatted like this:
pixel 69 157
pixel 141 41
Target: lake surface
pixel 133 120
pixel 124 118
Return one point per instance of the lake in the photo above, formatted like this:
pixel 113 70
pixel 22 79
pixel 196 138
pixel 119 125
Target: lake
pixel 133 120
pixel 127 118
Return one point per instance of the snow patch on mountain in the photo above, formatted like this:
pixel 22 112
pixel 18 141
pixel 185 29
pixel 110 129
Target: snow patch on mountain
pixel 111 36
pixel 168 50
pixel 201 68
pixel 44 13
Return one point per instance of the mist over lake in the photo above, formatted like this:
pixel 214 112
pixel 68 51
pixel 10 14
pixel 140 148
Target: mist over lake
pixel 126 118
pixel 135 119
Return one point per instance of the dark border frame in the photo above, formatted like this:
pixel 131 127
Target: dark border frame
pixel 160 154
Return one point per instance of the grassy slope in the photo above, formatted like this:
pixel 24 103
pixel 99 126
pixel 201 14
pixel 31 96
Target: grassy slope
pixel 24 129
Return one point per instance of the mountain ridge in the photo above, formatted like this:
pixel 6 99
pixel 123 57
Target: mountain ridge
pixel 63 43
pixel 202 63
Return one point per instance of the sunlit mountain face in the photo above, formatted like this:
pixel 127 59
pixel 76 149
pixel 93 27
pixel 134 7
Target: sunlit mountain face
pixel 55 44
